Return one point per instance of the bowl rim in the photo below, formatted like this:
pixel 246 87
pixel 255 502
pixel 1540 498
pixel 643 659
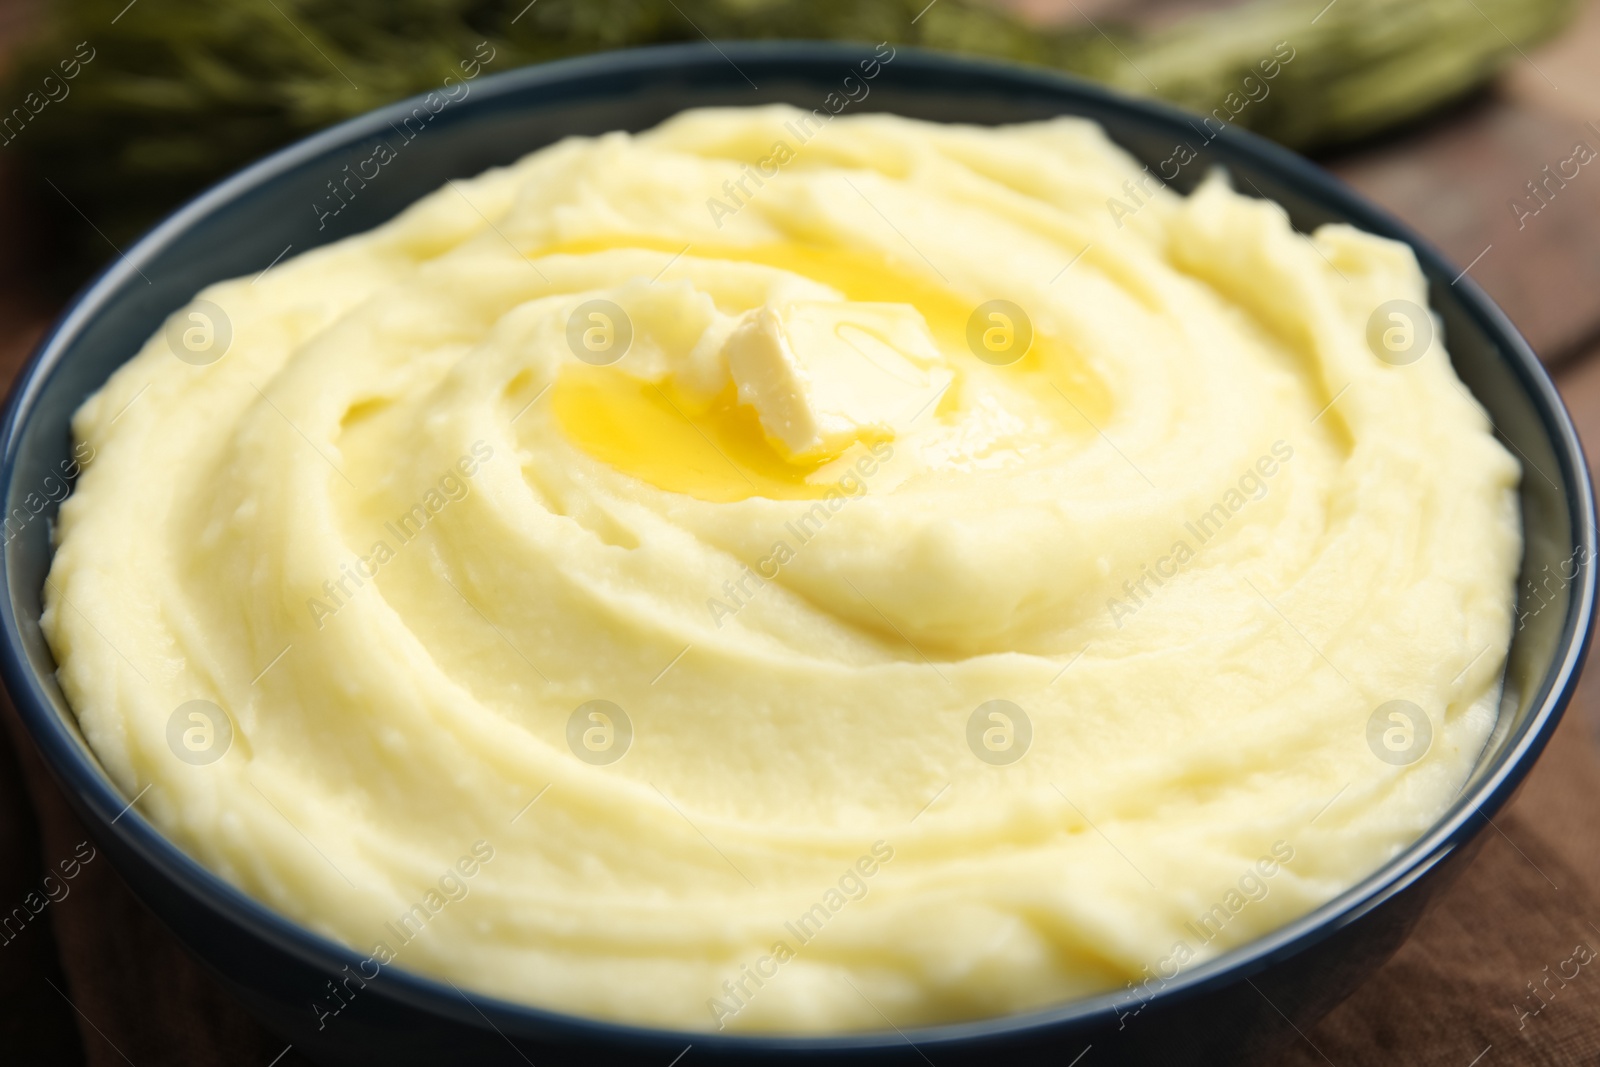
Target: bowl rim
pixel 93 793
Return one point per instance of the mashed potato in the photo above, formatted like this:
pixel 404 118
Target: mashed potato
pixel 761 574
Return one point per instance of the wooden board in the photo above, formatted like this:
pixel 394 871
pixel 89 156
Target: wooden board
pixel 99 982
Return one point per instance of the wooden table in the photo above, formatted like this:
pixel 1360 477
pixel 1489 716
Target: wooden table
pixel 97 981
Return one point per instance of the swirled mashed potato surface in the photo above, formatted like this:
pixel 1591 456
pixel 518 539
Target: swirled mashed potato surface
pixel 800 537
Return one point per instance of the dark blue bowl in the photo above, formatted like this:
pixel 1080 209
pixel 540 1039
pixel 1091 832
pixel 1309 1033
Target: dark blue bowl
pixel 1237 1005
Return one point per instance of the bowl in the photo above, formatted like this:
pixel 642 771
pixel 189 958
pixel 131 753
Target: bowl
pixel 1240 1004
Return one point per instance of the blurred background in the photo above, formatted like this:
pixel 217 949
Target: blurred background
pixel 1475 121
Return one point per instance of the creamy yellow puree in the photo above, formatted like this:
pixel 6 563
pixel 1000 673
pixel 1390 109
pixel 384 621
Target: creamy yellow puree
pixel 794 667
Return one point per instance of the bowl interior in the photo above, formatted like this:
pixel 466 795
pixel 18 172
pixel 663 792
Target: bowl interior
pixel 278 207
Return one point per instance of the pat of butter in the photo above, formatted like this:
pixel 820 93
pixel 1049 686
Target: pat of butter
pixel 823 375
